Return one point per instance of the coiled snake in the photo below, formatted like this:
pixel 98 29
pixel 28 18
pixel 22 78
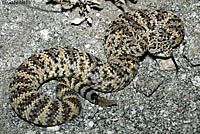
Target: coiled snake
pixel 80 73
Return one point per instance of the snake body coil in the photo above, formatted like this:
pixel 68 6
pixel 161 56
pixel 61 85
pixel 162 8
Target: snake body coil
pixel 77 72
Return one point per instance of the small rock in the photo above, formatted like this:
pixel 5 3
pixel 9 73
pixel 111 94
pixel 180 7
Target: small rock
pixel 54 128
pixel 77 21
pixel 31 132
pixel 91 124
pixel 98 14
pixel 87 46
pixel 110 132
pixel 100 108
pixel 167 64
pixel 45 34
pixel 196 81
pixel 89 20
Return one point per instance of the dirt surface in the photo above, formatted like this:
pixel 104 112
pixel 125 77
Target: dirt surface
pixel 159 100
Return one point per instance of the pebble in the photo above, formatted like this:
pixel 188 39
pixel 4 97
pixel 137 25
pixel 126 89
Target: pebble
pixel 54 128
pixel 77 21
pixel 90 124
pixel 45 34
pixel 167 64
pixel 196 81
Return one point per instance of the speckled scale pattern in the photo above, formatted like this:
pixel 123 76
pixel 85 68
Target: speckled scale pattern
pixel 81 74
pixel 137 32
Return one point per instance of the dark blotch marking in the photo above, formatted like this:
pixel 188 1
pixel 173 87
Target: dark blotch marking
pixel 21 79
pixel 52 54
pixel 66 111
pixel 81 86
pixel 27 69
pixel 25 102
pixel 36 61
pixel 38 108
pixel 76 103
pixel 17 93
pixel 87 91
pixel 51 116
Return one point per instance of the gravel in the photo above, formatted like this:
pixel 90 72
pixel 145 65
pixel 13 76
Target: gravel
pixel 159 100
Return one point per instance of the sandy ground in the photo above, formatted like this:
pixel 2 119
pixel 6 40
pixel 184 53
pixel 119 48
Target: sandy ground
pixel 174 107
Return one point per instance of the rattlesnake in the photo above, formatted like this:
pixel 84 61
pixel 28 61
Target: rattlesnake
pixel 78 72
